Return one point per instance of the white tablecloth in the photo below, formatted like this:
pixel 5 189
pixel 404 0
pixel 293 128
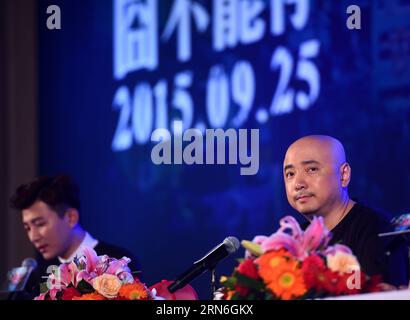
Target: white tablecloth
pixel 389 295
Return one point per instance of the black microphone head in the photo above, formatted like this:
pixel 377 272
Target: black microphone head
pixel 208 262
pixel 231 244
pixel 29 263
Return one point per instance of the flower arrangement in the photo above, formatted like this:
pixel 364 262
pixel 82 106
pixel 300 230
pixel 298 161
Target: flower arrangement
pixel 296 264
pixel 93 277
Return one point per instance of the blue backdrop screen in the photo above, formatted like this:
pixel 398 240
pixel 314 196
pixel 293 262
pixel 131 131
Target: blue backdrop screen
pixel 118 70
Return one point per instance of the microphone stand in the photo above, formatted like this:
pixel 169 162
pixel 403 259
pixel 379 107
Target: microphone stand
pixel 402 237
pixel 213 283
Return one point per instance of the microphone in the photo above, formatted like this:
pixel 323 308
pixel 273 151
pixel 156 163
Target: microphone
pixel 399 237
pixel 18 277
pixel 14 288
pixel 30 264
pixel 208 262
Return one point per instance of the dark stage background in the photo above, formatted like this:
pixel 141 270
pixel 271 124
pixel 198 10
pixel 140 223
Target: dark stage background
pixel 295 69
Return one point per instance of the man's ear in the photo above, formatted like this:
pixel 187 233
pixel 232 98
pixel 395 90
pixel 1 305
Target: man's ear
pixel 345 174
pixel 72 215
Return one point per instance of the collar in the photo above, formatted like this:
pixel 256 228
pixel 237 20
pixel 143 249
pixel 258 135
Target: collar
pixel 88 242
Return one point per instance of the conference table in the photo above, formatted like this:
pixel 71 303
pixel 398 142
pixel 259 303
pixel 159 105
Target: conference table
pixel 386 295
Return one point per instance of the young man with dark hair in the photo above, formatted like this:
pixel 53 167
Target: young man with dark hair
pixel 50 209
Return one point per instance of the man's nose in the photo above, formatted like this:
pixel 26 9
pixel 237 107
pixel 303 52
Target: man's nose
pixel 300 183
pixel 34 235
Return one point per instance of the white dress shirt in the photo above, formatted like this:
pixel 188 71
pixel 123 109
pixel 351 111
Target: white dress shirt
pixel 88 242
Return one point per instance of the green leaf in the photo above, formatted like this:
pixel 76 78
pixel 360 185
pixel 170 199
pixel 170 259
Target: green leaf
pixel 43 287
pixel 252 296
pixel 229 282
pixel 84 287
pixel 270 296
pixel 59 295
pixel 81 266
pixel 236 296
pixel 245 281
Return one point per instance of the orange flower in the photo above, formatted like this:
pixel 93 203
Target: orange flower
pixel 90 296
pixel 229 294
pixel 134 291
pixel 288 282
pixel 282 274
pixel 269 262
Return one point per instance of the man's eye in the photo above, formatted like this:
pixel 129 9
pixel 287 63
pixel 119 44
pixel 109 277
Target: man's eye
pixel 289 174
pixel 40 224
pixel 313 169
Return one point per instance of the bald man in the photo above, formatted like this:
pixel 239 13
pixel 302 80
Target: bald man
pixel 317 177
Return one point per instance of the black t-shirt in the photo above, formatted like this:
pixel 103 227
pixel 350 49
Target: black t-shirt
pixel 386 256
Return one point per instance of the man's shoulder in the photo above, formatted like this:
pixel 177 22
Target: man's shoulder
pixel 104 248
pixel 371 217
pixel 368 224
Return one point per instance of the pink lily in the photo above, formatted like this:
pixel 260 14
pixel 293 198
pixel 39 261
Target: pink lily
pixel 125 277
pixel 41 296
pixel 259 239
pixel 289 237
pixel 68 273
pixel 316 236
pixel 91 259
pixel 84 275
pixel 102 265
pixel 289 225
pixel 55 284
pixel 117 266
pixel 279 241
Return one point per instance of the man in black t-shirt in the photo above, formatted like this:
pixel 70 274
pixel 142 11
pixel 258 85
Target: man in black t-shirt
pixel 316 178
